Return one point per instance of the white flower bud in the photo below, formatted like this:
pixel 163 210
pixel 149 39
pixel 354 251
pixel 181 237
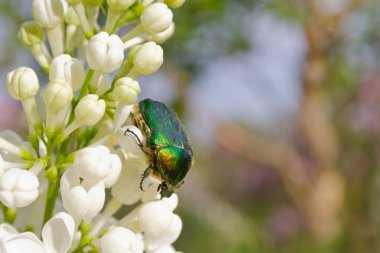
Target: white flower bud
pixel 71 17
pixel 120 4
pixel 126 90
pixel 97 163
pixel 58 94
pixel 22 83
pixel 175 3
pixel 18 188
pixel 155 218
pixel 48 13
pixel 148 58
pixel 169 236
pixel 105 53
pixel 68 68
pixel 127 188
pixel 161 37
pixel 83 200
pixel 90 110
pixel 121 240
pixel 156 18
pixel 30 33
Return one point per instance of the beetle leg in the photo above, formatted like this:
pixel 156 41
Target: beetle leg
pixel 137 138
pixel 159 187
pixel 144 175
pixel 162 187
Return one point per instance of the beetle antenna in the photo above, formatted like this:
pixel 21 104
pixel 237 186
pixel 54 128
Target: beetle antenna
pixel 137 138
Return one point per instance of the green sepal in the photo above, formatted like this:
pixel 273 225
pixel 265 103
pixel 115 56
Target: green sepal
pixel 70 158
pixel 103 233
pixel 132 14
pixel 9 214
pixel 29 228
pixel 26 155
pixel 51 174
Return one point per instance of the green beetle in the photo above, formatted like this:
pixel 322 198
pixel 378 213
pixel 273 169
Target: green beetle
pixel 166 144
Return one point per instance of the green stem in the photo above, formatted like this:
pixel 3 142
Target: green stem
pixel 52 196
pixel 53 189
pixel 83 92
pixel 85 240
pixel 85 87
pixel 132 14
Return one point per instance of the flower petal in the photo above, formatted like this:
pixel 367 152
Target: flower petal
pixel 6 229
pixel 58 233
pixel 168 237
pixel 19 243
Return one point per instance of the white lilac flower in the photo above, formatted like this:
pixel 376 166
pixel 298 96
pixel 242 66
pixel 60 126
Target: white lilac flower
pixel 121 240
pixel 126 90
pixel 58 94
pixel 83 200
pixel 57 237
pixel 156 18
pixel 89 111
pixel 96 164
pixel 31 36
pixel 127 188
pixel 105 53
pixel 161 37
pixel 49 14
pixel 57 97
pixel 30 33
pixel 22 84
pixel 155 218
pixel 148 58
pixel 18 188
pixel 167 237
pixel 68 68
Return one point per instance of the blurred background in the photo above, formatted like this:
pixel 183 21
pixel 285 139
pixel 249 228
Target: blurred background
pixel 282 103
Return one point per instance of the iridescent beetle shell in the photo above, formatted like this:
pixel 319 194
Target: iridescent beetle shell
pixel 166 144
